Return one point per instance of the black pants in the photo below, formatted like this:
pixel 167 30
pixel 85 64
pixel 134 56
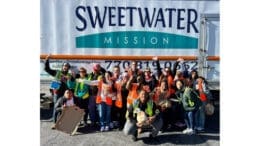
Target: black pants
pixel 84 105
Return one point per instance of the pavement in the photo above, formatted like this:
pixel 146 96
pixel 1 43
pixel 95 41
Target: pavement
pixel 88 136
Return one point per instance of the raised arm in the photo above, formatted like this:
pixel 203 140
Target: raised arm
pixel 47 67
pixel 158 67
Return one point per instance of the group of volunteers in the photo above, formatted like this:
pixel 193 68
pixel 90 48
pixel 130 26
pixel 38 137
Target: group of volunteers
pixel 133 100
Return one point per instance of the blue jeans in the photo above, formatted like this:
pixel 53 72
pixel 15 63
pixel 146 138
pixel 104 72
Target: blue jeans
pixel 104 111
pixel 188 118
pixel 200 116
pixel 55 98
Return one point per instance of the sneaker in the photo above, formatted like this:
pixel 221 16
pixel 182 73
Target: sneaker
pixel 191 131
pixel 134 137
pixel 111 125
pixel 179 124
pixel 107 128
pixel 102 129
pixel 187 130
pixel 199 128
pixel 116 124
pixel 82 124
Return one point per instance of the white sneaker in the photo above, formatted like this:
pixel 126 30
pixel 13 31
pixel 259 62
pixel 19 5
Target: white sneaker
pixel 102 129
pixel 186 131
pixel 191 132
pixel 107 128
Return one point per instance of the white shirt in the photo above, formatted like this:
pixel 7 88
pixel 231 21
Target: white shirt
pixel 70 102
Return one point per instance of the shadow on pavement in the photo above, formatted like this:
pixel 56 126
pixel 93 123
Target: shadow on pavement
pixel 182 139
pixel 45 114
pixel 86 130
pixel 212 127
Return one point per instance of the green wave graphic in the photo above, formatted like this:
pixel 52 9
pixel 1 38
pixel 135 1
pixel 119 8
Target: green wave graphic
pixel 136 39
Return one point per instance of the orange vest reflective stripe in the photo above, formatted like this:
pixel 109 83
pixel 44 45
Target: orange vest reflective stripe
pixel 98 99
pixel 132 95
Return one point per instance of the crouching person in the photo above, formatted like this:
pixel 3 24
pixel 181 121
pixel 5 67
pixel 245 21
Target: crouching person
pixel 141 115
pixel 67 100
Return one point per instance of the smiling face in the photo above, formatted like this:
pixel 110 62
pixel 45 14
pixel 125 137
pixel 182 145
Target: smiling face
pixel 68 94
pixel 163 86
pixel 193 74
pixel 134 66
pixel 65 67
pixel 82 72
pixel 116 71
pixel 179 85
pixel 143 95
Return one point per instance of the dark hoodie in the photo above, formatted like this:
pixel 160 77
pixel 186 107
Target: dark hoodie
pixel 192 81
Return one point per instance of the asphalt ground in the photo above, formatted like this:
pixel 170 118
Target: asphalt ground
pixel 88 136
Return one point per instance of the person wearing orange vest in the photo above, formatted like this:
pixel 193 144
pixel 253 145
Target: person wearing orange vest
pixel 166 74
pixel 121 98
pixel 104 101
pixel 161 97
pixel 116 98
pixel 97 73
pixel 134 85
pixel 149 79
pixel 203 92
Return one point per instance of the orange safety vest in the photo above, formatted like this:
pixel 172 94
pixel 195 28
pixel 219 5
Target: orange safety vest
pixel 157 94
pixel 118 102
pixel 203 96
pixel 170 81
pixel 101 87
pixel 132 95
